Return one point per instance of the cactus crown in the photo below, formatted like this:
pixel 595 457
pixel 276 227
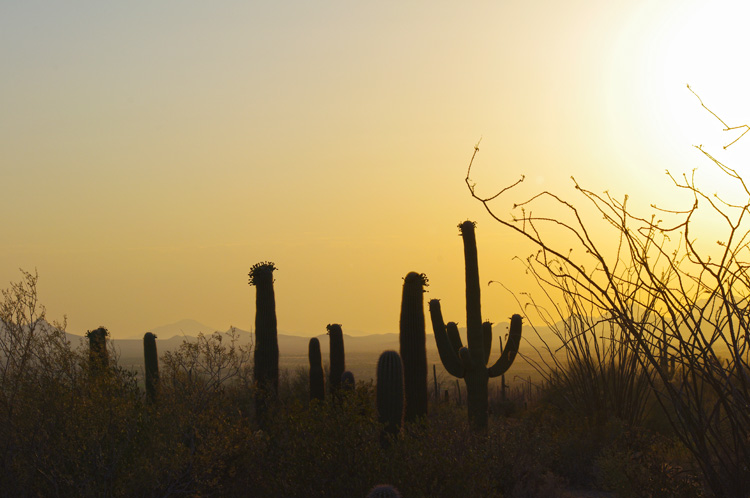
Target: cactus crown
pixel 100 330
pixel 258 269
pixel 465 225
pixel 331 326
pixel 421 277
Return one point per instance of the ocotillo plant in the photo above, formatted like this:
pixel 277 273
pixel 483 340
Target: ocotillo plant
pixel 152 366
pixel 98 359
pixel 266 357
pixel 338 363
pixel 470 363
pixel 317 377
pixel 390 393
pixel 412 340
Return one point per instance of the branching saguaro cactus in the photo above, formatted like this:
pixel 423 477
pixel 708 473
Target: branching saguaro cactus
pixel 151 359
pixel 412 341
pixel 98 359
pixel 390 393
pixel 317 377
pixel 266 357
pixel 338 363
pixel 470 363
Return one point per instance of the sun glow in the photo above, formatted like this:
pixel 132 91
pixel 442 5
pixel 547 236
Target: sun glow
pixel 661 50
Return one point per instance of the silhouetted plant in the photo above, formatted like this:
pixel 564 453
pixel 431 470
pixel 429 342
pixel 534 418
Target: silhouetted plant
pixel 317 376
pixel 663 287
pixel 151 359
pixel 412 341
pixel 338 362
pixel 390 393
pixel 98 357
pixel 384 491
pixel 347 381
pixel 470 363
pixel 266 358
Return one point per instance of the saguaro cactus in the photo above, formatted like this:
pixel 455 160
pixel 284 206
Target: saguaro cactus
pixel 152 366
pixel 347 381
pixel 390 392
pixel 412 340
pixel 317 377
pixel 266 357
pixel 666 361
pixel 98 359
pixel 383 491
pixel 470 363
pixel 338 363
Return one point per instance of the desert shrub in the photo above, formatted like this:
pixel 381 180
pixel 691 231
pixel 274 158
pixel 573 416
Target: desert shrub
pixel 323 448
pixel 642 464
pixel 68 430
pixel 294 385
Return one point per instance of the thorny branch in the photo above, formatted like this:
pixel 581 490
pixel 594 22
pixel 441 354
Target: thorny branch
pixel 662 297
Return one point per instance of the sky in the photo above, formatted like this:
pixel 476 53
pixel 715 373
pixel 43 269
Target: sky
pixel 152 152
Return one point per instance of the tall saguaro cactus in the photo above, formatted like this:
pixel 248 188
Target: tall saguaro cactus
pixel 266 357
pixel 338 363
pixel 317 377
pixel 470 363
pixel 412 341
pixel 152 365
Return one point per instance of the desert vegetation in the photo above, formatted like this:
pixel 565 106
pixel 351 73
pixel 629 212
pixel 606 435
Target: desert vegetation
pixel 201 422
pixel 645 386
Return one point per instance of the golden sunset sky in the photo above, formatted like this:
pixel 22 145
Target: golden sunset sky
pixel 151 152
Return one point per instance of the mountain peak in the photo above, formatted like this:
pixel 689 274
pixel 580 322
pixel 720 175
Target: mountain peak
pixel 184 327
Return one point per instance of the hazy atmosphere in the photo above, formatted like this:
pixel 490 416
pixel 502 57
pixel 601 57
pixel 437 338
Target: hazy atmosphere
pixel 151 152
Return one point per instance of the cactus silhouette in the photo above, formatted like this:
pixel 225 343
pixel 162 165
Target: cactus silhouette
pixel 347 381
pixel 98 359
pixel 390 393
pixel 317 377
pixel 383 491
pixel 152 366
pixel 470 363
pixel 338 363
pixel 666 360
pixel 266 357
pixel 412 341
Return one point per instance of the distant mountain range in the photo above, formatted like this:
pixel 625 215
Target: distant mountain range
pixel 170 337
pixel 289 345
pixel 362 350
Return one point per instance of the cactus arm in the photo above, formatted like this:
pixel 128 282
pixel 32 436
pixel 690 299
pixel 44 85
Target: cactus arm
pixel 487 339
pixel 448 356
pixel 509 351
pixel 454 336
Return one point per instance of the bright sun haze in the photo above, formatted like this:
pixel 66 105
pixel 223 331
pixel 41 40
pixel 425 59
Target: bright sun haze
pixel 151 152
